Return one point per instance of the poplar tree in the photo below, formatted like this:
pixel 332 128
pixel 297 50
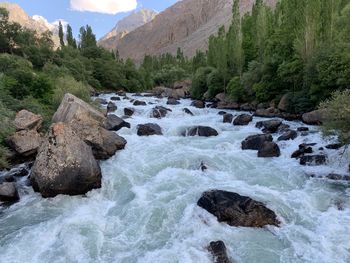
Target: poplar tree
pixel 61 34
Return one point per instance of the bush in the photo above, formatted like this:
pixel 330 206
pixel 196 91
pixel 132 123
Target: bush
pixel 236 90
pixel 199 82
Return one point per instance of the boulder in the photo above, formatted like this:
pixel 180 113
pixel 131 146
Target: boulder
pixel 198 104
pixel 334 146
pixel 129 111
pixel 149 129
pixel 65 164
pixel 283 128
pixel 255 142
pixel 338 177
pixel 302 129
pixel 288 135
pixel 203 131
pixel 25 142
pixel 270 126
pixel 114 123
pixel 314 117
pixel 269 149
pixel 284 103
pixel 223 113
pixel 221 97
pixel 172 101
pixel 26 120
pixel 218 251
pixel 312 160
pixel 227 118
pixel 159 112
pixel 139 103
pixel 268 113
pixel 242 120
pixel 8 192
pixel 228 105
pixel 247 107
pixel 186 110
pixel 237 210
pixel 101 101
pixel 303 149
pixel 115 98
pixel 111 107
pixel 121 93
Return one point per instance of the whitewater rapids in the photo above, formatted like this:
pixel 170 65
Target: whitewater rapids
pixel 146 209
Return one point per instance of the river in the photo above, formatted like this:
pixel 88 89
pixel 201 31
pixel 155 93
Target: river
pixel 146 209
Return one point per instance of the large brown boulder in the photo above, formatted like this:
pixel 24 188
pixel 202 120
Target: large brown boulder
pixel 160 112
pixel 284 103
pixel 8 192
pixel 198 104
pixel 242 120
pixel 203 131
pixel 25 143
pixel 316 117
pixel 26 120
pixel 255 142
pixel 237 210
pixel 65 164
pixel 269 149
pixel 114 123
pixel 269 126
pixel 149 129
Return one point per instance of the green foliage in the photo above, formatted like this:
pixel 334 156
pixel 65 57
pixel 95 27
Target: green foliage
pixel 236 90
pixel 168 75
pixel 215 83
pixel 199 82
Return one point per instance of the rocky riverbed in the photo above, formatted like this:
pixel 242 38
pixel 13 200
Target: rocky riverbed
pixel 156 203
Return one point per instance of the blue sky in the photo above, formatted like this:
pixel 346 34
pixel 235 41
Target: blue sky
pixel 97 17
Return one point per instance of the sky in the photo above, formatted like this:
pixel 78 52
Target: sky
pixel 102 15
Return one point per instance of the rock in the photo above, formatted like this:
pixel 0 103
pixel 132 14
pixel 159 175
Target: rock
pixel 303 149
pixel 221 97
pixel 237 210
pixel 198 104
pixel 255 142
pixel 314 117
pixel 304 133
pixel 283 128
pixel 203 167
pixel 129 111
pixel 137 94
pixel 65 164
pixel 269 113
pixel 18 172
pixel 227 118
pixel 303 129
pixel 26 120
pixel 159 112
pixel 218 251
pixel 172 101
pixel 8 192
pixel 186 110
pixel 269 149
pixel 312 160
pixel 334 146
pixel 338 177
pixel 284 103
pixel 243 119
pixel 289 135
pixel 101 101
pixel 228 105
pixel 25 142
pixel 111 107
pixel 247 107
pixel 222 113
pixel 115 98
pixel 121 93
pixel 114 123
pixel 203 131
pixel 9 178
pixel 270 126
pixel 139 103
pixel 149 129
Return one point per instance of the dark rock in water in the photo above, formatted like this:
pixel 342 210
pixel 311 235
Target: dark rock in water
pixel 172 101
pixel 9 178
pixel 338 177
pixel 139 103
pixel 304 133
pixel 198 104
pixel 269 149
pixel 335 146
pixel 237 210
pixel 111 107
pixel 255 142
pixel 218 250
pixel 242 120
pixel 227 118
pixel 159 112
pixel 149 129
pixel 129 111
pixel 203 131
pixel 114 123
pixel 136 94
pixel 222 112
pixel 101 101
pixel 283 128
pixel 187 111
pixel 121 93
pixel 115 98
pixel 8 192
pixel 303 129
pixel 303 149
pixel 203 167
pixel 270 126
pixel 289 135
pixel 313 160
pixel 18 172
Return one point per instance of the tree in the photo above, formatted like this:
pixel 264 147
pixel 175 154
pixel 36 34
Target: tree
pixel 71 42
pixel 61 34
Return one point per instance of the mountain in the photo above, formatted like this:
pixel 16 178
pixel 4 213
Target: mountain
pixel 126 25
pixel 188 24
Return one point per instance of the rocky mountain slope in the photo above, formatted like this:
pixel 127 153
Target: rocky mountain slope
pixel 125 26
pixel 188 24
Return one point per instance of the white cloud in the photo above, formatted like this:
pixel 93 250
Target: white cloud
pixel 104 6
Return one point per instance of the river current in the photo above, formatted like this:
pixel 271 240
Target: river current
pixel 146 209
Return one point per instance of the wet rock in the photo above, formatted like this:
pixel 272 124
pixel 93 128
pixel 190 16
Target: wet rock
pixel 303 149
pixel 270 126
pixel 247 107
pixel 237 210
pixel 8 192
pixel 269 149
pixel 65 164
pixel 25 142
pixel 203 131
pixel 255 142
pixel 283 128
pixel 26 120
pixel 138 94
pixel 269 113
pixel 222 113
pixel 9 178
pixel 227 118
pixel 129 111
pixel 198 104
pixel 139 103
pixel 18 172
pixel 203 167
pixel 111 107
pixel 172 101
pixel 101 101
pixel 334 146
pixel 304 133
pixel 149 129
pixel 218 251
pixel 114 123
pixel 186 110
pixel 115 98
pixel 159 112
pixel 303 129
pixel 314 117
pixel 242 120
pixel 338 177
pixel 289 135
pixel 312 160
pixel 121 93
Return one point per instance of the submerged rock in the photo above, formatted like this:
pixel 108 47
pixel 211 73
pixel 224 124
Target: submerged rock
pixel 269 149
pixel 139 103
pixel 65 164
pixel 242 120
pixel 237 210
pixel 186 110
pixel 313 160
pixel 149 129
pixel 338 177
pixel 334 146
pixel 26 120
pixel 114 123
pixel 218 251
pixel 255 142
pixel 8 192
pixel 203 131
